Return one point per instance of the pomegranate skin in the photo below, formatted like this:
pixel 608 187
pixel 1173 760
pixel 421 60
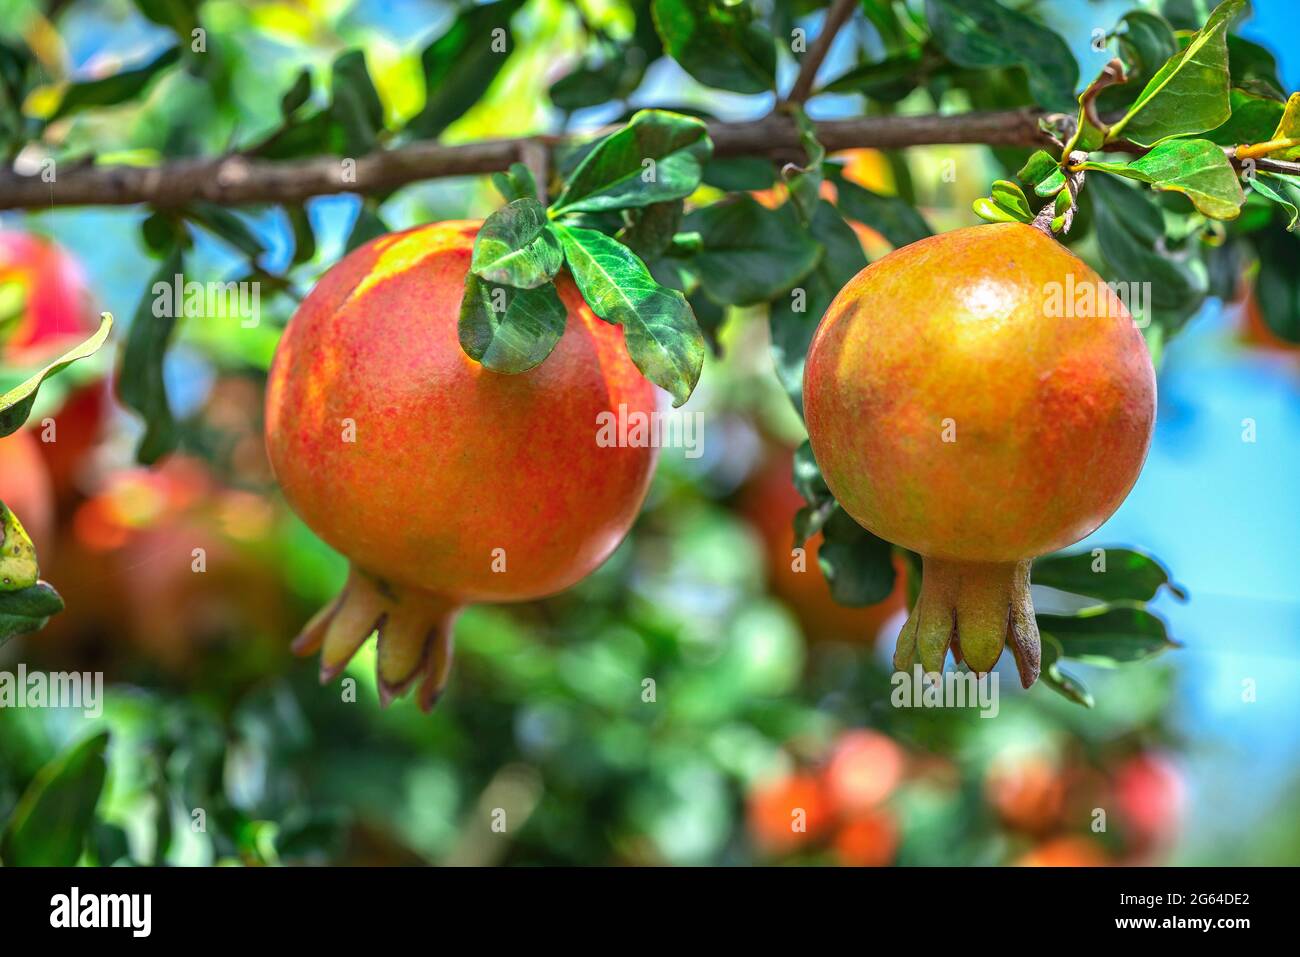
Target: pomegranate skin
pixel 955 412
pixel 462 484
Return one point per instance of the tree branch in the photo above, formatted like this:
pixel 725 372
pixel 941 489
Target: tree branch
pixel 836 17
pixel 235 179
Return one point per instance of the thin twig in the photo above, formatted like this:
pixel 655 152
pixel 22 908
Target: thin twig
pixel 836 17
pixel 235 180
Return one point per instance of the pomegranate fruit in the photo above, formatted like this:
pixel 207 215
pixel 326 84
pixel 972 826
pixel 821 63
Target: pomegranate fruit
pixel 443 482
pixel 56 305
pixel 954 412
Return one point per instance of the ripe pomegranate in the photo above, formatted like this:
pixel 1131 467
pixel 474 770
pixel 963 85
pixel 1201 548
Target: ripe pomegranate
pixel 57 309
pixel 1150 792
pixel 443 482
pixel 953 412
pixel 864 770
pixel 870 840
pixel 788 812
pixel 1068 850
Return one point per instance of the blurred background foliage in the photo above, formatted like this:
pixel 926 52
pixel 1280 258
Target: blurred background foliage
pixel 767 696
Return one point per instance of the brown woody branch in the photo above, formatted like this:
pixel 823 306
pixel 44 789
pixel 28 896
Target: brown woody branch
pixel 836 17
pixel 235 179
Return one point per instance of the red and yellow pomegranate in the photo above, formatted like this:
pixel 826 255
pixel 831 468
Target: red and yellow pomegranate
pixel 55 308
pixel 443 482
pixel 967 400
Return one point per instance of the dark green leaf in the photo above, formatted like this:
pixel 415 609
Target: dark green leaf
pixel 794 317
pixel 1118 574
pixel 657 157
pixel 222 222
pixel 739 174
pixel 892 217
pixel 1108 635
pixel 651 231
pixel 1145 43
pixel 366 227
pixel 509 330
pixel 662 335
pixel 27 610
pixel 1253 119
pixel 859 567
pixel 1254 69
pixel 54 816
pixel 1060 681
pixel 16 404
pixel 517 247
pixel 140 383
pixel 887 81
pixel 304 238
pixel 461 64
pixel 983 33
pixel 751 254
pixel 115 89
pixel 719 44
pixel 355 105
pixel 1277 284
pixel 296 95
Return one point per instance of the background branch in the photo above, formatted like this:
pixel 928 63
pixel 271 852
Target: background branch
pixel 235 179
pixel 836 17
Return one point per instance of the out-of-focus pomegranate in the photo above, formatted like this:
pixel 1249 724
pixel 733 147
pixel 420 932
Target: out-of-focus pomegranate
pixel 864 770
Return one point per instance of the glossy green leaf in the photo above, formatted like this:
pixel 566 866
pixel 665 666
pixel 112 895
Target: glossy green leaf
pixel 16 404
pixel 1253 119
pixel 750 254
pixel 517 247
pixel 662 336
pixel 991 212
pixel 1197 168
pixel 657 157
pixel 894 218
pixel 1146 41
pixel 140 383
pixel 794 316
pixel 506 329
pixel 27 610
pixel 1189 94
pixel 461 64
pixel 1108 635
pixel 1040 165
pixel 983 33
pixel 54 817
pixel 652 229
pixel 1011 197
pixel 1118 574
pixel 859 567
pixel 115 89
pixel 718 43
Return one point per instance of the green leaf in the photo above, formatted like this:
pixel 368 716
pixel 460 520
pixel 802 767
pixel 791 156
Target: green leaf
pixel 859 567
pixel 886 81
pixel 1126 575
pixel 805 182
pixel 1040 165
pixel 461 64
pixel 663 338
pixel 894 218
pixel 794 317
pixel 1282 189
pixel 517 183
pixel 1253 119
pixel 613 75
pixel 1012 198
pixel 987 210
pixel 750 254
pixel 1189 94
pixel 140 383
pixel 1277 284
pixel 355 105
pixel 509 330
pixel 227 225
pixel 16 404
pixel 516 247
pixel 55 815
pixel 717 43
pixel 297 94
pixel 657 157
pixel 365 227
pixel 1254 69
pixel 18 568
pixel 115 89
pixel 739 174
pixel 27 610
pixel 1060 681
pixel 1197 168
pixel 652 229
pixel 1108 635
pixel 1131 233
pixel 983 33
pixel 1145 43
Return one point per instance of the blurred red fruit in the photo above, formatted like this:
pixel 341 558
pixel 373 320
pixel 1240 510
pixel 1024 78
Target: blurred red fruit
pixel 867 841
pixel 25 487
pixel 1028 793
pixel 56 305
pixel 1067 851
pixel 1150 794
pixel 770 502
pixel 788 812
pixel 863 771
